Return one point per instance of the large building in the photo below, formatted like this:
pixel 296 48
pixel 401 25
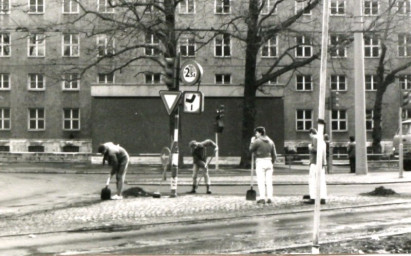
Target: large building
pixel 48 105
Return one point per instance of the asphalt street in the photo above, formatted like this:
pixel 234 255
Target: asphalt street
pixel 54 209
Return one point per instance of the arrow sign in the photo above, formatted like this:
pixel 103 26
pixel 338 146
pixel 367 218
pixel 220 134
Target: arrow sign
pixel 170 99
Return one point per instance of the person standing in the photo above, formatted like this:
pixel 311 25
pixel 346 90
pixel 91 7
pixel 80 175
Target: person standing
pixel 198 151
pixel 118 158
pixel 351 153
pixel 265 154
pixel 313 170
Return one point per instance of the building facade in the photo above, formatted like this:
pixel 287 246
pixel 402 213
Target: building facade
pixel 48 105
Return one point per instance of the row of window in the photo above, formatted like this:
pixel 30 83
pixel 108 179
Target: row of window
pixel 304 120
pixel 337 7
pixel 36 46
pixel 71 82
pixel 36 119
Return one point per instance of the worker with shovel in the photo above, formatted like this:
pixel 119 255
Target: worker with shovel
pixel 265 154
pixel 198 151
pixel 118 158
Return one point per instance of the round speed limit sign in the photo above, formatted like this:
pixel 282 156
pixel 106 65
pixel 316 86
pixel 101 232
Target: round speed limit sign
pixel 191 72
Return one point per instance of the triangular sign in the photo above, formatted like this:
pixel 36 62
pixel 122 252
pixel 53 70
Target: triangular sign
pixel 170 99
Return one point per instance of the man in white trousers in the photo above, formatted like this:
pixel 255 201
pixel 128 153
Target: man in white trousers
pixel 313 170
pixel 265 154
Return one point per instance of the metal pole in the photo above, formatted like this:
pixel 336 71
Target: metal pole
pixel 174 160
pixel 400 145
pixel 330 150
pixel 321 124
pixel 216 153
pixel 359 99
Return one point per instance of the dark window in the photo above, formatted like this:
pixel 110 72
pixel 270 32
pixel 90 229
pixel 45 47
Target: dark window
pixel 36 148
pixel 71 148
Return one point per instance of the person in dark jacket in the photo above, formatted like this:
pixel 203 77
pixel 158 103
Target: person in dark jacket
pixel 118 158
pixel 265 154
pixel 198 151
pixel 351 154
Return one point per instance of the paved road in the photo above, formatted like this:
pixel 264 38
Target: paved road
pixel 239 235
pixel 38 209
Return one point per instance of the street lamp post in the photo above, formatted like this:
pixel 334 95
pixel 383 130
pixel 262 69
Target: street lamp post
pixel 359 98
pixel 321 125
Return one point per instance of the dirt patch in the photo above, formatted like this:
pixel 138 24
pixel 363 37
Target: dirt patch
pixel 381 191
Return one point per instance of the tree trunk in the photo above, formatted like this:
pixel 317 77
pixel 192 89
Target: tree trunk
pixel 377 130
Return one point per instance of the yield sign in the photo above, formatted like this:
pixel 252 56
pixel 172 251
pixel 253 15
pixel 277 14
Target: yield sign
pixel 170 99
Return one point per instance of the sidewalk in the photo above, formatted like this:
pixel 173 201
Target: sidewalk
pixel 225 175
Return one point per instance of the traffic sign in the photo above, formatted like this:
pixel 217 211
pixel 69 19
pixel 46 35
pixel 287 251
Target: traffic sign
pixel 191 72
pixel 193 102
pixel 170 99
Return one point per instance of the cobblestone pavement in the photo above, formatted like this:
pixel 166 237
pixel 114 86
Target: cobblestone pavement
pixel 90 213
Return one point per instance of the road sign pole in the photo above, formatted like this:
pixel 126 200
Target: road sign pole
pixel 174 159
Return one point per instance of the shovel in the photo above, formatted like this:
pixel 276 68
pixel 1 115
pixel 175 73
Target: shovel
pixel 157 194
pixel 105 194
pixel 251 193
pixel 206 165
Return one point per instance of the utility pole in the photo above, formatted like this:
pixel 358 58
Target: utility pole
pixel 321 124
pixel 359 85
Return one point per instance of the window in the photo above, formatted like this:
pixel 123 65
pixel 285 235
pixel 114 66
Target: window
pixel 153 78
pixel 369 122
pixel 270 48
pixel 339 120
pixel 187 7
pixel 223 79
pixel 152 45
pixel 406 113
pixel 371 7
pixel 4 81
pixel 71 45
pixel 404 7
pixel 187 47
pixel 273 81
pixel 304 119
pixel 337 7
pixel 405 82
pixel 304 47
pixel 71 82
pixel 370 83
pixel 36 6
pixel 222 46
pixel 404 45
pixel 36 148
pixel 105 6
pixel 106 78
pixel 36 82
pixel 267 7
pixel 4 44
pixel 299 6
pixel 71 119
pixel 338 83
pixel 304 83
pixel 371 46
pixel 4 6
pixel 37 45
pixel 149 6
pixel 5 120
pixel 70 7
pixel 105 46
pixel 222 6
pixel 338 49
pixel 37 119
